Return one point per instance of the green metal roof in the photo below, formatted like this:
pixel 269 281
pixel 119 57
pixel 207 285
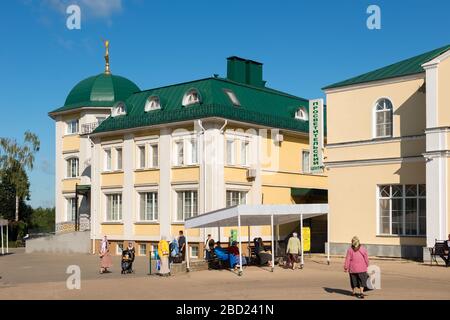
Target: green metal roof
pixel 263 106
pixel 102 90
pixel 403 68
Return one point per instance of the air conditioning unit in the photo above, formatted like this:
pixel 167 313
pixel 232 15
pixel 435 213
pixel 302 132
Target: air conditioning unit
pixel 251 173
pixel 279 137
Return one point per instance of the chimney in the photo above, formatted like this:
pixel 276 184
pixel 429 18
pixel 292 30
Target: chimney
pixel 245 71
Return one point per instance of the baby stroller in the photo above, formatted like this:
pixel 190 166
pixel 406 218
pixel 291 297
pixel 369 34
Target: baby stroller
pixel 127 261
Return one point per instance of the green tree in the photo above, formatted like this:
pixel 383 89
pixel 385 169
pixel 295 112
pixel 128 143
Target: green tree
pixel 43 219
pixel 17 158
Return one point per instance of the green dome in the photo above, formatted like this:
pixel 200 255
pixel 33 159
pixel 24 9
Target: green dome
pixel 100 90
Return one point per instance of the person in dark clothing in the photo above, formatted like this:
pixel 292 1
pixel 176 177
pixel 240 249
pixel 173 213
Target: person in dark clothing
pixel 182 244
pixel 209 247
pixel 264 257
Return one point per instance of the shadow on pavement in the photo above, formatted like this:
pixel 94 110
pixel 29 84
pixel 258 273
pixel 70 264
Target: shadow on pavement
pixel 338 291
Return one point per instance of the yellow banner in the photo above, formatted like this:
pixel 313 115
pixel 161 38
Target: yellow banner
pixel 306 231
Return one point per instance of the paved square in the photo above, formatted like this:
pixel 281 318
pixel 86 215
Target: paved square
pixel 43 276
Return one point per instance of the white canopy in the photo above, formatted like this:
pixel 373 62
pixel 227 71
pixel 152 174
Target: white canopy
pixel 257 215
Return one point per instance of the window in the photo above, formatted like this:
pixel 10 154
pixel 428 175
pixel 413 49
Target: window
pixel 230 152
pixel 235 198
pixel 179 153
pixel 148 206
pixel 232 97
pixel 154 155
pixel 305 162
pixel 141 157
pixel 153 103
pixel 402 209
pixel 244 152
pixel 72 127
pixel 72 168
pixel 194 251
pixel 119 248
pixel 191 97
pixel 71 209
pixel 301 114
pixel 142 249
pixel 186 205
pixel 119 158
pixel 194 151
pixel 119 109
pixel 383 118
pixel 108 159
pixel 114 207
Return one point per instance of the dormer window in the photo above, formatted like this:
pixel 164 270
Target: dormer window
pixel 153 103
pixel 119 109
pixel 301 114
pixel 232 97
pixel 191 97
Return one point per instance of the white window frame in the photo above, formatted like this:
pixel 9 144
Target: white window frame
pixel 191 254
pixel 152 103
pixel 230 152
pixel 70 216
pixel 183 192
pixel 155 194
pixel 187 97
pixel 69 167
pixel 308 167
pixel 139 249
pixel 301 114
pixel 120 206
pixel 141 149
pixel 418 197
pixel 119 168
pixel 119 109
pixel 119 248
pixel 107 161
pixel 241 192
pixel 69 125
pixel 151 160
pixel 244 162
pixel 374 118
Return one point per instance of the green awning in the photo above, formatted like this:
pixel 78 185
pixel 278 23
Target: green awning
pixel 83 188
pixel 302 192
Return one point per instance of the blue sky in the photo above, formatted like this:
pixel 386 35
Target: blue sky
pixel 304 46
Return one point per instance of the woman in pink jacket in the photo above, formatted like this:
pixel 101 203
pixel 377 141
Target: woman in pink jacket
pixel 356 263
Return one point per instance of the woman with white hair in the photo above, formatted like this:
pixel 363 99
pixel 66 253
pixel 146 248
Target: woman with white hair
pixel 293 250
pixel 356 263
pixel 105 257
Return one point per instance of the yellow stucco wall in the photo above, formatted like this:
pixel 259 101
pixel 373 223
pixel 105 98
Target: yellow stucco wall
pixel 146 177
pixel 112 229
pixel 68 185
pixel 232 174
pixel 294 180
pixel 353 205
pixel 291 153
pixel 389 149
pixel 276 195
pixel 444 93
pixel 71 143
pixel 112 179
pixel 350 113
pixel 146 229
pixel 174 229
pixel 185 174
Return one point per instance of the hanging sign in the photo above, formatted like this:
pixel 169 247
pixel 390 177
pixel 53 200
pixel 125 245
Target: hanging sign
pixel 316 135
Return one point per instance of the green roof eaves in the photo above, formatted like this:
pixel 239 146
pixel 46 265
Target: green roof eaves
pixel 203 111
pixel 85 104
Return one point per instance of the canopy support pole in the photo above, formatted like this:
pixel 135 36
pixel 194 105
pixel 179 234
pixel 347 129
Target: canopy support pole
pixel 7 244
pixel 3 249
pixel 273 253
pixel 240 245
pixel 328 238
pixel 301 241
pixel 186 248
pixel 248 246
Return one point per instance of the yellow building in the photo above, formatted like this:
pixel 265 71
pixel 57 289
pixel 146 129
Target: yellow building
pixel 387 157
pixel 134 164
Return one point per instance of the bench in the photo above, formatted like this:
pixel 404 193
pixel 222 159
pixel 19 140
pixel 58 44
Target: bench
pixel 439 251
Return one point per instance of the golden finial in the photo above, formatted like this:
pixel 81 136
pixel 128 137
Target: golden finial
pixel 106 43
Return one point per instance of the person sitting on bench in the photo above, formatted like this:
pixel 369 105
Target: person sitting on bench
pixel 447 251
pixel 234 250
pixel 223 255
pixel 264 257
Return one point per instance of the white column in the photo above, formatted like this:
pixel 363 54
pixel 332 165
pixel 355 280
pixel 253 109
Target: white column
pixel 96 194
pixel 273 251
pixel 301 241
pixel 7 243
pixel 128 208
pixel 1 235
pixel 165 189
pixel 240 244
pixel 328 238
pixel 59 170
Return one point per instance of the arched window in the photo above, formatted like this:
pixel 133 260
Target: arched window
pixel 119 109
pixel 72 167
pixel 153 103
pixel 301 114
pixel 383 118
pixel 192 96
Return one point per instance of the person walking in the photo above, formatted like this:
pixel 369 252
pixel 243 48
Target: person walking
pixel 163 252
pixel 209 246
pixel 293 250
pixel 105 257
pixel 182 244
pixel 356 263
